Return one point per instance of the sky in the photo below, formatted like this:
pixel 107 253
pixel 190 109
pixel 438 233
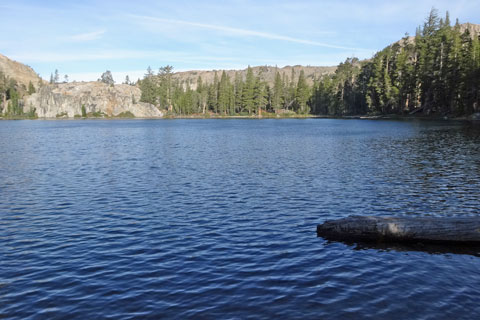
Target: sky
pixel 84 38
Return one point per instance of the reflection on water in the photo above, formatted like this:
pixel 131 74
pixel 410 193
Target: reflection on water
pixel 429 248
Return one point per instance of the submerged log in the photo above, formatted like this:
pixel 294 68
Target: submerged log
pixel 406 229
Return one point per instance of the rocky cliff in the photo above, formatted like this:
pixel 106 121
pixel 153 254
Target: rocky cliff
pixel 91 98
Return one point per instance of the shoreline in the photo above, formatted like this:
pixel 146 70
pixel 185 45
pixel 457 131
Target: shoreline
pixel 226 117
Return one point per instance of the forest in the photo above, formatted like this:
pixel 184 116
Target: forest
pixel 436 72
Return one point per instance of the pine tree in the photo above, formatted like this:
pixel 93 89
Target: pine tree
pixel 31 88
pixel 259 96
pixel 148 88
pixel 149 73
pixel 223 94
pixel 13 107
pixel 164 88
pixel 238 91
pixel 248 93
pixel 107 78
pixel 202 92
pixel 302 94
pixel 231 99
pixel 290 91
pixel 277 94
pixel 56 77
pixel 323 96
pixel 2 91
pixel 212 99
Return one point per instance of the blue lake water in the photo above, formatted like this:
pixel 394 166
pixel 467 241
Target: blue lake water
pixel 216 219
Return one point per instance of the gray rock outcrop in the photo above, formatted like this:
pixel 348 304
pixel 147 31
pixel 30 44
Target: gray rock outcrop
pixel 93 98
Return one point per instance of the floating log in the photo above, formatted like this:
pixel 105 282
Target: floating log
pixel 446 230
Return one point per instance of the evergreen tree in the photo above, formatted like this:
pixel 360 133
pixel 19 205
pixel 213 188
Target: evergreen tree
pixel 164 89
pixel 248 92
pixel 231 99
pixel 290 92
pixel 13 107
pixel 148 88
pixel 302 94
pixel 56 77
pixel 2 90
pixel 212 98
pixel 278 91
pixel 149 73
pixel 107 78
pixel 202 92
pixel 238 92
pixel 224 94
pixel 259 96
pixel 31 88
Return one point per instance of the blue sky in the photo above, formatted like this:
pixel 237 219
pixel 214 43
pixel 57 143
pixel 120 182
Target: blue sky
pixel 85 38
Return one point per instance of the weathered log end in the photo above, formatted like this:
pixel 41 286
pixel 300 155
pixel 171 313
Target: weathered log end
pixel 399 229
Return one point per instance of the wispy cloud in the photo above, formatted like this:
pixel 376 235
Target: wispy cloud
pixel 170 56
pixel 89 36
pixel 242 32
pixel 82 56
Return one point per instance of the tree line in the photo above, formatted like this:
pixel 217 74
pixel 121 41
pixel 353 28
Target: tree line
pixel 241 95
pixel 435 72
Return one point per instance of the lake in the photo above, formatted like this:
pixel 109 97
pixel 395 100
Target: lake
pixel 216 219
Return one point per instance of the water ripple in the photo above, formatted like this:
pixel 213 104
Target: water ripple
pixel 216 219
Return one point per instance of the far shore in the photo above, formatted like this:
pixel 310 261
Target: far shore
pixel 269 116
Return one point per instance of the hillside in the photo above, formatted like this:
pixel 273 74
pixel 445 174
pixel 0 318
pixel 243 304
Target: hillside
pixel 21 73
pixel 473 28
pixel 266 73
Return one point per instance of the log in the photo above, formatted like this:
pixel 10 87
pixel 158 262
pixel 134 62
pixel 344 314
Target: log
pixel 447 230
pixel 417 110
